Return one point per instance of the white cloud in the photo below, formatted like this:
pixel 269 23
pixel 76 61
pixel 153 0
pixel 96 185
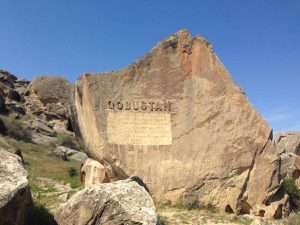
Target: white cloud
pixel 284 119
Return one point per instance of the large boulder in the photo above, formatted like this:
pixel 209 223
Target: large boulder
pixel 15 197
pixel 121 202
pixel 176 119
pixel 48 97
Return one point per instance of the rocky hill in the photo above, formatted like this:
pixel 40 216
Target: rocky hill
pixel 170 134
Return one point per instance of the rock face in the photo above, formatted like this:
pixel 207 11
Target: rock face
pixel 121 202
pixel 15 196
pixel 288 148
pixel 176 119
pixel 48 97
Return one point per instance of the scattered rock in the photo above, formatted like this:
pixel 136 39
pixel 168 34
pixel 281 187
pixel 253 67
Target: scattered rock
pixel 7 79
pixel 94 173
pixel 182 91
pixel 15 107
pixel 62 151
pixel 15 197
pixel 121 202
pixel 79 156
pixel 40 126
pixel 43 139
pixel 278 209
pixel 21 86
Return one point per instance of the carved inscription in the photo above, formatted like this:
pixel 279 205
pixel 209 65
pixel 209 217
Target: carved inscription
pixel 125 128
pixel 140 105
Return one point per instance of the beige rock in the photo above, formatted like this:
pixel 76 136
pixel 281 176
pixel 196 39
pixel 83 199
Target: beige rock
pixel 94 173
pixel 176 118
pixel 48 97
pixel 287 145
pixel 117 203
pixel 15 197
pixel 63 197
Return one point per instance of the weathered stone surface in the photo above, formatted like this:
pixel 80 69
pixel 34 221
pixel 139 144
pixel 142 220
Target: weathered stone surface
pixel 201 140
pixel 21 86
pixel 287 142
pixel 7 79
pixel 121 202
pixel 15 197
pixel 10 98
pixel 48 97
pixel 62 151
pixel 287 145
pixel 43 139
pixel 94 173
pixel 40 126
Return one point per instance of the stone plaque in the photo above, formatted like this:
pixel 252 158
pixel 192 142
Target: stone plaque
pixel 127 128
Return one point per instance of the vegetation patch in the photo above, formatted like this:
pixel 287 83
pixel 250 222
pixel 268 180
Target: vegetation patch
pixel 65 140
pixel 293 191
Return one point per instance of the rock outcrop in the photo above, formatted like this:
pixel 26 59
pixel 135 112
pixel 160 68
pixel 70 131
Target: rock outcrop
pixel 121 202
pixel 11 100
pixel 287 145
pixel 15 197
pixel 48 97
pixel 94 172
pixel 176 119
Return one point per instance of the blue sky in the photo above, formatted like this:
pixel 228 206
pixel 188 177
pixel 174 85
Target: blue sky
pixel 258 41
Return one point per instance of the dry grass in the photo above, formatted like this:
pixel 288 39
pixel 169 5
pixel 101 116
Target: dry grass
pixel 196 216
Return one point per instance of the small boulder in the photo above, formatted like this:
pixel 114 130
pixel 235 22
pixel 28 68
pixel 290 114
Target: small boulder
pixel 41 127
pixel 121 202
pixel 43 139
pixel 93 173
pixel 63 151
pixel 15 197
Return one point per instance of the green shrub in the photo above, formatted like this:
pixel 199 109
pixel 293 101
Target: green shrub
pixel 72 171
pixel 65 140
pixel 293 191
